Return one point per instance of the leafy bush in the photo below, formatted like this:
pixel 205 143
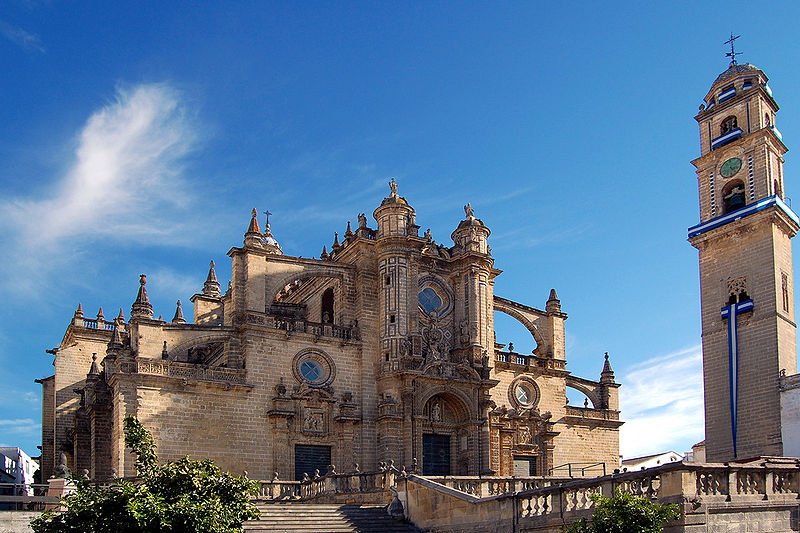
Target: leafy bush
pixel 176 497
pixel 625 513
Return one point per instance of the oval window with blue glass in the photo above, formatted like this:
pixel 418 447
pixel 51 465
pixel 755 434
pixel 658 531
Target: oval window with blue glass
pixel 429 300
pixel 434 297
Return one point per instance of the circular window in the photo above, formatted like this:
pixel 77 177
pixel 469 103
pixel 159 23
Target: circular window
pixel 524 393
pixel 313 367
pixel 434 297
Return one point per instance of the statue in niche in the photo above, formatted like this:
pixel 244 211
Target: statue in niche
pixel 524 435
pixel 464 331
pixel 436 412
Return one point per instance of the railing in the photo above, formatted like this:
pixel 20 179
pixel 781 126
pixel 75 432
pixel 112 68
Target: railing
pixel 329 484
pixel 184 370
pixel 92 323
pixel 25 497
pixel 483 487
pixel 590 412
pixel 571 470
pixel 511 357
pixel 300 325
pixel 705 492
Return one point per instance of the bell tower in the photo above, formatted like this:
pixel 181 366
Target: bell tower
pixel 746 282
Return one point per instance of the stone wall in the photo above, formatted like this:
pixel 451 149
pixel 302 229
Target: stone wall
pixel 16 521
pixel 759 497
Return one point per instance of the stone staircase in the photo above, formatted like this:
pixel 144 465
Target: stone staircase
pixel 326 518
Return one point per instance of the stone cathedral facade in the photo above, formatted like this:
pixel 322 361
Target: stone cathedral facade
pixel 383 349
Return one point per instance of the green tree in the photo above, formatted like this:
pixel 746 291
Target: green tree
pixel 176 497
pixel 625 513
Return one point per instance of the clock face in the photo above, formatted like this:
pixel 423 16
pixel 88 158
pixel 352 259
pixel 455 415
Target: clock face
pixel 730 167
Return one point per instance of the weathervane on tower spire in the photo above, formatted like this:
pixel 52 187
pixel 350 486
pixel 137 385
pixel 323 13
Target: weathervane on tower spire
pixel 733 53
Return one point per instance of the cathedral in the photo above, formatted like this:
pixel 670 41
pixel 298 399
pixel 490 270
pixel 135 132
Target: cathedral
pixel 381 350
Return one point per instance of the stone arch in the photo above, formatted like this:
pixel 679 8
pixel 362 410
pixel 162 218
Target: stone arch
pixel 182 348
pixel 456 400
pixel 275 286
pixel 503 307
pixel 587 389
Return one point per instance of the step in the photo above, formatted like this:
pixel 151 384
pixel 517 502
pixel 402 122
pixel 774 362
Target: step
pixel 295 517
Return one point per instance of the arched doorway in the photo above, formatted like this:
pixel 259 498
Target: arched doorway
pixel 446 437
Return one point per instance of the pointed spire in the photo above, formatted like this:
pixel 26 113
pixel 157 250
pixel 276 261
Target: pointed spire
pixel 142 307
pixel 211 286
pixel 336 245
pixel 79 311
pixel 253 228
pixel 324 254
pixel 100 316
pixel 553 304
pixel 607 375
pixel 121 315
pixel 93 370
pixel 348 233
pixel 178 318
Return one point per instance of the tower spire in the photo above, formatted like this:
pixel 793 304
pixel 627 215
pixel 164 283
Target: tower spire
pixel 141 306
pixel 211 286
pixel 253 227
pixel 178 318
pixel 607 375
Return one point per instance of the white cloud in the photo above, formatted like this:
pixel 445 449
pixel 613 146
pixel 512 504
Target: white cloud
pixel 125 184
pixel 20 37
pixel 662 403
pixel 19 427
pixel 165 280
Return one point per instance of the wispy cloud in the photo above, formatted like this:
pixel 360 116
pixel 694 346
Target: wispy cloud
pixel 662 403
pixel 166 280
pixel 19 427
pixel 26 40
pixel 125 184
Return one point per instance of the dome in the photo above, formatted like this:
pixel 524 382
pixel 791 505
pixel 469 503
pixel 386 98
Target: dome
pixel 735 70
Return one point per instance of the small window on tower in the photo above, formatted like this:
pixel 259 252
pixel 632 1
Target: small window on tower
pixel 728 125
pixel 327 306
pixel 785 291
pixel 767 121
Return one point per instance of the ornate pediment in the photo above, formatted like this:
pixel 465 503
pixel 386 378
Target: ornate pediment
pixel 447 370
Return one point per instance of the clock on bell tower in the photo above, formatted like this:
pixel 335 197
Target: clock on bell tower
pixel 745 252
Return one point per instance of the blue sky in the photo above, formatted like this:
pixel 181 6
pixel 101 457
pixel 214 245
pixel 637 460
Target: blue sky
pixel 136 137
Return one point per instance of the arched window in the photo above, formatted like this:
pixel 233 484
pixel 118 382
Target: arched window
pixel 728 125
pixel 327 306
pixel 733 196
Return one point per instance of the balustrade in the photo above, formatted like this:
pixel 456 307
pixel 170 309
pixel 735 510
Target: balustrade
pixel 330 483
pixel 301 325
